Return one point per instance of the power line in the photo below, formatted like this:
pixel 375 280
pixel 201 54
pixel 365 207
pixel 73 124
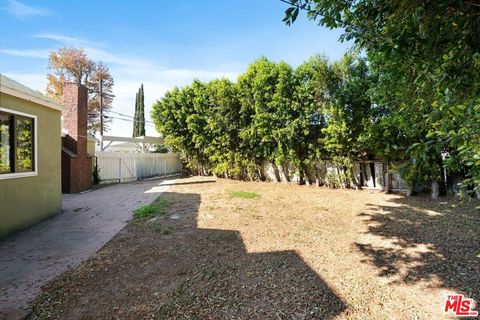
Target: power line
pixel 130 120
pixel 120 114
pixel 149 123
pixel 127 120
pixel 126 115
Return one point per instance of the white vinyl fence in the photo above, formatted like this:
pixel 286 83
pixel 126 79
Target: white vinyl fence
pixel 125 167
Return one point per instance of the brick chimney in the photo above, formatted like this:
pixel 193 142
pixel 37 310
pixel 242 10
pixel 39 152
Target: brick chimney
pixel 76 163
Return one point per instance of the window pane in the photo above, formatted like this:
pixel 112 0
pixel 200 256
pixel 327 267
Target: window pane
pixel 24 146
pixel 5 165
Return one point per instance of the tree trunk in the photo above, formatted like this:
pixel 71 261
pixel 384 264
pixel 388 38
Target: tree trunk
pixel 353 181
pixel 435 190
pixel 341 183
pixel 387 182
pixel 320 172
pixel 285 171
pixel 243 173
pixel 312 178
pixel 276 172
pixel 283 176
pixel 301 178
pixel 261 173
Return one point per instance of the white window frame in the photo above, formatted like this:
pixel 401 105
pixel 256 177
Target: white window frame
pixel 33 173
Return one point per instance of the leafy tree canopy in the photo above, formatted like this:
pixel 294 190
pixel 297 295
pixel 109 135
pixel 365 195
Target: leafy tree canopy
pixel 425 57
pixel 274 115
pixel 73 64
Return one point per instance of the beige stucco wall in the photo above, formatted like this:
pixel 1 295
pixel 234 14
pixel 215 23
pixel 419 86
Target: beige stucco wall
pixel 27 200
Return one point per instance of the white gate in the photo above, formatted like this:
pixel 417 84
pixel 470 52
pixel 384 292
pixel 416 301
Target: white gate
pixel 124 167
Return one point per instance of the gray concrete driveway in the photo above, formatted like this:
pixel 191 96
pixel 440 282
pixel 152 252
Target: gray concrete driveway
pixel 33 257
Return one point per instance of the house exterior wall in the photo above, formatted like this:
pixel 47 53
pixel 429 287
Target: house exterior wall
pixel 27 200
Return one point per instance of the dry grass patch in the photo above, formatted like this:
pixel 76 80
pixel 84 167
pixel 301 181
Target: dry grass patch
pixel 293 253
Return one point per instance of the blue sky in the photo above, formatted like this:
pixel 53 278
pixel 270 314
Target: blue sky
pixel 161 44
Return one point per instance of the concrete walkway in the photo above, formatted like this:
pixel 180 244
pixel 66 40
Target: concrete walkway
pixel 31 258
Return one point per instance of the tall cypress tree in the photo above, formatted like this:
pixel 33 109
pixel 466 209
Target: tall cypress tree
pixel 139 118
pixel 135 118
pixel 141 112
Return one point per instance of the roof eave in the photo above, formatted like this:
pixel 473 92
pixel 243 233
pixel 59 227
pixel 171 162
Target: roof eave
pixel 28 97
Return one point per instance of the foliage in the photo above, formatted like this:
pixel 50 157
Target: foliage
pixel 139 117
pixel 22 144
pixel 308 113
pixel 273 116
pixel 145 211
pixel 348 107
pixel 266 96
pixel 426 61
pixel 73 64
pixel 96 175
pixel 333 181
pixel 160 149
pixel 4 143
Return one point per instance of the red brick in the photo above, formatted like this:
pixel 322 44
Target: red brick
pixel 76 169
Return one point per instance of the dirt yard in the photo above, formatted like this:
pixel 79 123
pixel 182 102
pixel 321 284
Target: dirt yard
pixel 291 253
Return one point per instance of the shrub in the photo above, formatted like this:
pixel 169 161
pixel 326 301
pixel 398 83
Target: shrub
pixel 96 175
pixel 331 180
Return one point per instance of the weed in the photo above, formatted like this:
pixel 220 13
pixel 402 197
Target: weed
pixel 159 206
pixel 162 205
pixel 244 194
pixel 145 211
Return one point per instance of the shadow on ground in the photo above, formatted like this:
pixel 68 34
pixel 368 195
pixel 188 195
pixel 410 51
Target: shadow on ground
pixel 171 269
pixel 432 242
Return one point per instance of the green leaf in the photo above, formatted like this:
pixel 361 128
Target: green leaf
pixel 295 14
pixel 289 11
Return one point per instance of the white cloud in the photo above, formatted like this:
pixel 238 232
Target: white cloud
pixel 21 10
pixel 27 53
pixel 34 81
pixel 67 40
pixel 94 50
pixel 128 73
